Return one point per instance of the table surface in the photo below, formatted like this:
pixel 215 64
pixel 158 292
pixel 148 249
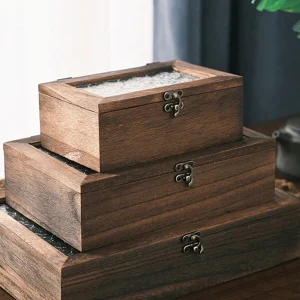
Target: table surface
pixel 278 283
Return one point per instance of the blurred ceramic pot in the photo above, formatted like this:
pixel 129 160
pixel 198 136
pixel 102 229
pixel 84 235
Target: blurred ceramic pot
pixel 288 148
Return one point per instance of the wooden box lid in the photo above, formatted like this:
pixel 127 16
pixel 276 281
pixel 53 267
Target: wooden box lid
pixel 106 131
pixel 153 266
pixel 75 91
pixel 91 210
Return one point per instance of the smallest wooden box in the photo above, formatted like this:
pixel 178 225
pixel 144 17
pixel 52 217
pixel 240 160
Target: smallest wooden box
pixel 118 119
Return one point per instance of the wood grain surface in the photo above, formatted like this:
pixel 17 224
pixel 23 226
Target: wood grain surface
pixel 153 266
pixel 46 195
pixel 106 133
pixel 280 282
pixel 66 90
pixel 206 120
pixel 91 211
pixel 2 192
pixel 30 268
pixel 70 129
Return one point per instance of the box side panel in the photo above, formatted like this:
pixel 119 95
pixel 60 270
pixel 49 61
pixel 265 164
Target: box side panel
pixel 2 196
pixel 160 269
pixel 145 206
pixel 30 268
pixel 146 133
pixel 70 131
pixel 42 198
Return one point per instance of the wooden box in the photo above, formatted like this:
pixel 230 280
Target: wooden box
pixel 90 210
pixel 35 265
pixel 118 119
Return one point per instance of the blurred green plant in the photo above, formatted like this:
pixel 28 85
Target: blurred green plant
pixel 291 6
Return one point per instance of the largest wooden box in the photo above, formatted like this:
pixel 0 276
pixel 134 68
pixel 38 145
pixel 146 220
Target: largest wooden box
pixel 130 126
pixel 98 209
pixel 151 267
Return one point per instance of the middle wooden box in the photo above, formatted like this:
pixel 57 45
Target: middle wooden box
pixel 90 210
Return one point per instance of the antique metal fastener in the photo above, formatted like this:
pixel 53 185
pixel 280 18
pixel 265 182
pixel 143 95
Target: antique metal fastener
pixel 193 243
pixel 175 104
pixel 189 172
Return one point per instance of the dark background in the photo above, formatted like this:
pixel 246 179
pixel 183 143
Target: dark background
pixel 232 36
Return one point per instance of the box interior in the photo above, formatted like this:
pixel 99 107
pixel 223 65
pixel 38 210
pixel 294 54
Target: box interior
pixel 79 167
pixel 131 84
pixel 50 238
pixel 68 162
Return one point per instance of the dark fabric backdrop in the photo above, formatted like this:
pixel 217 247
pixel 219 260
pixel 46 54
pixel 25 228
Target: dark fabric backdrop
pixel 231 35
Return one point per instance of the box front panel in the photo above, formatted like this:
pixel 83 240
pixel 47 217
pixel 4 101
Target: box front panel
pixel 144 206
pixel 146 133
pixel 152 266
pixel 259 239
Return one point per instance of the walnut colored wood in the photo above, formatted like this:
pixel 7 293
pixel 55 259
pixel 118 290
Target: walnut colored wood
pixel 30 268
pixel 278 283
pixel 4 295
pixel 206 120
pixel 107 133
pixel 91 211
pixel 281 282
pixel 2 197
pixel 71 125
pixel 152 266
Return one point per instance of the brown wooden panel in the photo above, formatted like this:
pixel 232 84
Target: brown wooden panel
pixel 146 97
pixel 80 125
pixel 76 128
pixel 145 206
pixel 71 95
pixel 281 281
pixel 4 295
pixel 108 208
pixel 65 89
pixel 45 163
pixel 237 246
pixel 30 268
pixel 2 196
pixel 146 133
pixel 152 266
pixel 39 196
pixel 183 66
pixel 157 168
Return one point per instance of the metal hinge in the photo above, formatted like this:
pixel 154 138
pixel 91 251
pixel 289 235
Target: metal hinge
pixel 189 172
pixel 194 243
pixel 175 104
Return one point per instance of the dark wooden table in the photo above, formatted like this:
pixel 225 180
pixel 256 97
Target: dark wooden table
pixel 278 283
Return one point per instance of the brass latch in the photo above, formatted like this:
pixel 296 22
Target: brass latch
pixel 175 104
pixel 194 243
pixel 188 175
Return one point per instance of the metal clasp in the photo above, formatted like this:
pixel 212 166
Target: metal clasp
pixel 194 241
pixel 175 105
pixel 189 174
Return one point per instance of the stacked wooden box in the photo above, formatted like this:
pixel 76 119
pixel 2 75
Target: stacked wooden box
pixel 151 193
